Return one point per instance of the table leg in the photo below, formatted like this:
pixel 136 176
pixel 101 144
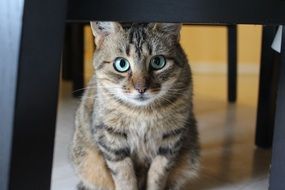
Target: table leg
pixel 232 63
pixel 36 67
pixel 269 70
pixel 277 174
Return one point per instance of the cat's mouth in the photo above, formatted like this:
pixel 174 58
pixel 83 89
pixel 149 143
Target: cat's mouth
pixel 141 97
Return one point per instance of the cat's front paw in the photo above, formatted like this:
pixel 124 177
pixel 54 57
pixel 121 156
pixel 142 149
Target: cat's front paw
pixel 80 186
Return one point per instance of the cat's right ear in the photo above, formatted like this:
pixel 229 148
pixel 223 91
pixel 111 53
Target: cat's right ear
pixel 101 30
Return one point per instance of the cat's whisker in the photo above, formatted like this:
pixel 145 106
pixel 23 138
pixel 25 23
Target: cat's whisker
pixel 82 89
pixel 177 93
pixel 104 94
pixel 173 93
pixel 167 100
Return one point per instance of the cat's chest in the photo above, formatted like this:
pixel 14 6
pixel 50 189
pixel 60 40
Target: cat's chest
pixel 144 139
pixel 144 131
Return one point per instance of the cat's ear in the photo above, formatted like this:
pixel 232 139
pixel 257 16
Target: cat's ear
pixel 169 29
pixel 101 30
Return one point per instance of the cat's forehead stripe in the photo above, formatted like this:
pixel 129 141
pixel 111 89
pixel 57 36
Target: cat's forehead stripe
pixel 149 48
pixel 128 50
pixel 137 37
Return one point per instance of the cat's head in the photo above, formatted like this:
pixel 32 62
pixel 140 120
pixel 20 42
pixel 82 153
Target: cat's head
pixel 140 64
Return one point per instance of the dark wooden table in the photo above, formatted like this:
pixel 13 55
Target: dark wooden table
pixel 31 36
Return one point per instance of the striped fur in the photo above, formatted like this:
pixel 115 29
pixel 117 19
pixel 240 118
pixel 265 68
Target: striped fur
pixel 122 143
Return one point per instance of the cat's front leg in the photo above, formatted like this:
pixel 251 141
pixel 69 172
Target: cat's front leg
pixel 123 174
pixel 158 173
pixel 116 151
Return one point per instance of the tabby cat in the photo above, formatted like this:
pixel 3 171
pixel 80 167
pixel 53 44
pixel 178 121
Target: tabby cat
pixel 135 127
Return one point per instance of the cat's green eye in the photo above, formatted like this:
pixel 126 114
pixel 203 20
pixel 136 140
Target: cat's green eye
pixel 121 64
pixel 157 62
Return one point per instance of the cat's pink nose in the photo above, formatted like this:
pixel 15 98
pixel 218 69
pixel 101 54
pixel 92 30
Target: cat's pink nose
pixel 141 90
pixel 141 84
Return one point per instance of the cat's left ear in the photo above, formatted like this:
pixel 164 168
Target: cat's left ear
pixel 169 29
pixel 101 30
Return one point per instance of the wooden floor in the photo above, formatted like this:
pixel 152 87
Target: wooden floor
pixel 230 161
